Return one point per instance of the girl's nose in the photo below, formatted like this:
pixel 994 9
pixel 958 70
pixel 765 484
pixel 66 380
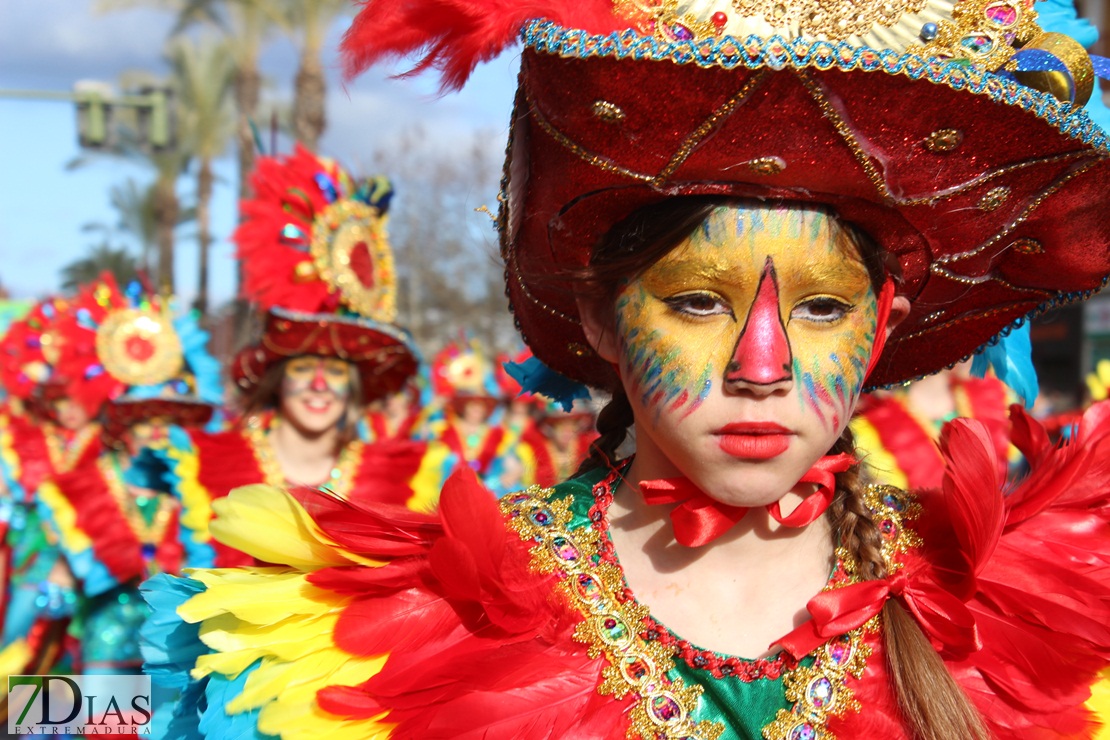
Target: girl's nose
pixel 762 359
pixel 319 382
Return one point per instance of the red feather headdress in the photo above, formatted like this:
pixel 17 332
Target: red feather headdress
pixel 315 255
pixel 462 369
pixel 30 349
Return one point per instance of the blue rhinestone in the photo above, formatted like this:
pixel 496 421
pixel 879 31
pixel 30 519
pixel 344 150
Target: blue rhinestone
pixel 929 32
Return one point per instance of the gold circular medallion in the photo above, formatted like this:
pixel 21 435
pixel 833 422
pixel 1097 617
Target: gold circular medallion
pixel 139 347
pixel 352 255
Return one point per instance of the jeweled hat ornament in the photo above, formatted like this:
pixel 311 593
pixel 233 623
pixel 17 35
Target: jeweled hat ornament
pixel 316 257
pixel 462 370
pixel 29 352
pixel 123 351
pixel 920 121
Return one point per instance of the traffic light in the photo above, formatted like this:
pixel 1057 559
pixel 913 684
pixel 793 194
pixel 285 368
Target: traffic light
pixel 155 109
pixel 94 117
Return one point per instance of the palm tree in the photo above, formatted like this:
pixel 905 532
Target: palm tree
pixel 101 258
pixel 312 19
pixel 203 73
pixel 165 205
pixel 134 206
pixel 248 23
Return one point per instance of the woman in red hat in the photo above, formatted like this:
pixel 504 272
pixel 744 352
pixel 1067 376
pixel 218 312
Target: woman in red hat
pixel 734 217
pixel 49 428
pixel 316 258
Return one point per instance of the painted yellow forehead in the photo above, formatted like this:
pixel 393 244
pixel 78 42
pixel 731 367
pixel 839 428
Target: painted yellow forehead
pixel 807 245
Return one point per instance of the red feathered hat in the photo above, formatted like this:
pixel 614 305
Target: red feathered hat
pixel 122 352
pixel 30 349
pixel 315 255
pixel 462 369
pixel 904 117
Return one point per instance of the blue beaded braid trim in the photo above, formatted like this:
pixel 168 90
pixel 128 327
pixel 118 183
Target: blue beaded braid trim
pixel 755 52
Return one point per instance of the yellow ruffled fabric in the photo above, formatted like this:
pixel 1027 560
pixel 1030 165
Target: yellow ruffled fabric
pixel 881 465
pixel 71 537
pixel 8 458
pixel 14 659
pixel 196 506
pixel 428 480
pixel 275 616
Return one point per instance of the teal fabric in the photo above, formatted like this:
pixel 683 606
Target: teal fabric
pixel 110 628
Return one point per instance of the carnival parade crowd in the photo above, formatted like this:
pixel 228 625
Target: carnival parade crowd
pixel 118 434
pixel 772 264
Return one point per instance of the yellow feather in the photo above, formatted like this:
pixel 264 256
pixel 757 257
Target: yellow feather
pixel 1099 704
pixel 269 524
pixel 271 617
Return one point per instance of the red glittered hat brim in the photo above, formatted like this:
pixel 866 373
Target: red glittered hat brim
pixel 992 196
pixel 126 411
pixel 384 354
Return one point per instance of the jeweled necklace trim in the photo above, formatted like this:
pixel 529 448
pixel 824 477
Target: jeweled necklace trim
pixel 63 456
pixel 150 535
pixel 594 584
pixel 340 480
pixel 719 666
pixel 635 667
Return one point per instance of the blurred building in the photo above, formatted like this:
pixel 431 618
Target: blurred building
pixel 1069 341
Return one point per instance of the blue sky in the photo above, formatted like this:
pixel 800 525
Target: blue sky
pixel 50 44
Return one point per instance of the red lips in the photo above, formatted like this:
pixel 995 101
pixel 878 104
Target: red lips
pixel 754 440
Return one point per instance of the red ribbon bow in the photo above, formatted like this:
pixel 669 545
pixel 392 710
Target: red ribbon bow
pixel 945 619
pixel 698 519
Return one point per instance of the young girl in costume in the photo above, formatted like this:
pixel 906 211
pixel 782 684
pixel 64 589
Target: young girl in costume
pixel 896 431
pixel 555 446
pixel 316 257
pixel 471 431
pixel 734 217
pixel 147 370
pixel 54 430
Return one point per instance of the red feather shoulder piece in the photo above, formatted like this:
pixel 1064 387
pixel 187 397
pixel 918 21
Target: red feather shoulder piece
pixel 1033 559
pixel 478 645
pixel 453 36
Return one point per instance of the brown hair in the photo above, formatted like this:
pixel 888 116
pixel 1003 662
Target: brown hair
pixel 933 705
pixel 266 396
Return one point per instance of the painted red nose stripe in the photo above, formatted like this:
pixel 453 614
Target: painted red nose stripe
pixel 319 382
pixel 762 355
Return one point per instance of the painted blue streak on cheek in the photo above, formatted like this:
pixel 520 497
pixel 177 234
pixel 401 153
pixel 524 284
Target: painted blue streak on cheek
pixel 812 396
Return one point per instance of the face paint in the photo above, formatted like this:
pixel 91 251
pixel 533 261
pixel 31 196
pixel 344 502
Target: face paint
pixel 316 374
pixel 762 355
pixel 315 393
pixel 145 434
pixel 762 319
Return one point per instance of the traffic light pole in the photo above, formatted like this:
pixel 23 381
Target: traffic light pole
pixel 94 113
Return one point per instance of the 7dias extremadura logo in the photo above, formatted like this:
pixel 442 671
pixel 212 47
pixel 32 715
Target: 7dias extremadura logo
pixel 76 705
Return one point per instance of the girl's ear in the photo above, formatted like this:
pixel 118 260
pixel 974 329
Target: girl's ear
pixel 598 324
pixel 899 310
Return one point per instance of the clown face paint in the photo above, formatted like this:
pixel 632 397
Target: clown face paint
pixel 745 347
pixel 315 391
pixel 146 433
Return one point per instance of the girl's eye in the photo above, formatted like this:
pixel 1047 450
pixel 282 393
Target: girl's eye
pixel 824 309
pixel 698 304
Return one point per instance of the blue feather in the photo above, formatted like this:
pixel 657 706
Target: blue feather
pixel 536 377
pixel 1012 361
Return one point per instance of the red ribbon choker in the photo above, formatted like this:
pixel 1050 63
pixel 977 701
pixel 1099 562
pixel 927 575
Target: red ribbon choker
pixel 699 519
